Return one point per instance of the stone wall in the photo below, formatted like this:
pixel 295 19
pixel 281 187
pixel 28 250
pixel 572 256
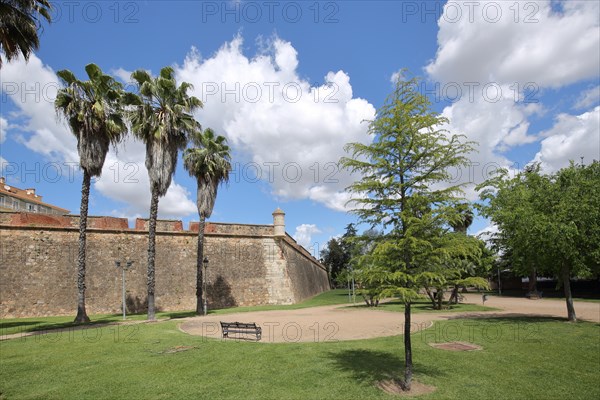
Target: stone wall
pixel 248 265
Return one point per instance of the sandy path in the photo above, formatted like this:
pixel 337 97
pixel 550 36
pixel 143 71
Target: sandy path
pixel 334 323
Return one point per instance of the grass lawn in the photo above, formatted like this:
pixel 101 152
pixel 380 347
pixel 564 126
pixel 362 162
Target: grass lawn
pixel 535 358
pixel 17 325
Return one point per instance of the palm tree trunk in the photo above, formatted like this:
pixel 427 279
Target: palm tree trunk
pixel 408 364
pixel 566 278
pixel 152 252
pixel 83 212
pixel 199 260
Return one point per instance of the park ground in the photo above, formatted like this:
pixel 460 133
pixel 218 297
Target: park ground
pixel 327 351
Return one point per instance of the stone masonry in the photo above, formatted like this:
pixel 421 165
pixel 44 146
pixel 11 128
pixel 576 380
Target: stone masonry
pixel 248 265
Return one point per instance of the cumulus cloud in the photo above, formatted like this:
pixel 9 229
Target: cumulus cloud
pixel 495 127
pixel 303 234
pixel 292 131
pixel 570 138
pixel 32 86
pixel 549 43
pixel 501 56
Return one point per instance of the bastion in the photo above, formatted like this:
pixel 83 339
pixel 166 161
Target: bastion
pixel 248 265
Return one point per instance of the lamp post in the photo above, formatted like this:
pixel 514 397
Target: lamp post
pixel 205 265
pixel 124 268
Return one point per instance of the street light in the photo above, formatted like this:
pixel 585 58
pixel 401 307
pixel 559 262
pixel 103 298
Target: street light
pixel 205 264
pixel 124 268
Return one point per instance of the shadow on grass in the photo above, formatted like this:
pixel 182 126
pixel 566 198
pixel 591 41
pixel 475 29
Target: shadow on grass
pixel 370 366
pixel 41 325
pixel 510 318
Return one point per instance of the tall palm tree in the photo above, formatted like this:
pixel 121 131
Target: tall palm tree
pixel 20 21
pixel 464 218
pixel 93 112
pixel 210 162
pixel 162 118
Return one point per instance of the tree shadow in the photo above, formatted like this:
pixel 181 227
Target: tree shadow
pixel 371 366
pixel 510 318
pixel 219 294
pixel 135 305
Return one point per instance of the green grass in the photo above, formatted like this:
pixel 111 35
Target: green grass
pixel 329 298
pixel 535 358
pixel 425 307
pixel 17 325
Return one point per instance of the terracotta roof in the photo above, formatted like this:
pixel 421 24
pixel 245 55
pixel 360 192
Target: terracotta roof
pixel 22 194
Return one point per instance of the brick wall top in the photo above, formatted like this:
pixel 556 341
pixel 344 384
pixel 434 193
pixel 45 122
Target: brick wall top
pixel 35 220
pixel 162 225
pixel 234 229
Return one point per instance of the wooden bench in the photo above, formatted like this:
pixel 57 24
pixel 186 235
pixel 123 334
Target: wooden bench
pixel 241 327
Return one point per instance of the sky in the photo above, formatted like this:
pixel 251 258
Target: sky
pixel 289 83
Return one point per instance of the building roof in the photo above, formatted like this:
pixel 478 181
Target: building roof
pixel 27 195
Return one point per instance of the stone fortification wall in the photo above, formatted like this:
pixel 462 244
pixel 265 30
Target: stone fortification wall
pixel 248 265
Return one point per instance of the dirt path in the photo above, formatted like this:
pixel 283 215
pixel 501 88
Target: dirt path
pixel 334 323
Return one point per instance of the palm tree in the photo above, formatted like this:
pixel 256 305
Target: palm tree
pixel 210 162
pixel 93 112
pixel 20 21
pixel 162 118
pixel 464 218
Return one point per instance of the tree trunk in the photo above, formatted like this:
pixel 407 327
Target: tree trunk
pixel 431 297
pixel 566 278
pixel 408 365
pixel 454 296
pixel 533 282
pixel 83 213
pixel 440 297
pixel 152 253
pixel 199 264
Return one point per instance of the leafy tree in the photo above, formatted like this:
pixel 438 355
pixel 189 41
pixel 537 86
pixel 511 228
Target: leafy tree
pixel 339 252
pixel 548 222
pixel 401 174
pixel 20 21
pixel 335 258
pixel 93 112
pixel 209 162
pixel 522 216
pixel 162 118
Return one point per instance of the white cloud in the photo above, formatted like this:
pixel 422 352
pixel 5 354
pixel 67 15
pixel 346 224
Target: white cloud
pixel 571 137
pixel 530 42
pixel 588 98
pixel 303 234
pixel 123 74
pixel 495 127
pixel 3 128
pixel 394 77
pixel 278 120
pixel 32 87
pixel 488 232
pixel 562 47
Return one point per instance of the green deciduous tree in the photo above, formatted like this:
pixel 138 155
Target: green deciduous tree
pixel 162 118
pixel 548 223
pixel 209 161
pixel 93 112
pixel 20 22
pixel 404 187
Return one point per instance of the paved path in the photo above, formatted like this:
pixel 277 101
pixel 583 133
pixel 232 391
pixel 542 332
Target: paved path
pixel 333 323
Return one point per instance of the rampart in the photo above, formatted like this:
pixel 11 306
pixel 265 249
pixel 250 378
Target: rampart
pixel 248 265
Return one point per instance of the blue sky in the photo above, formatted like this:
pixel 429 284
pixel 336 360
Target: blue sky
pixel 288 83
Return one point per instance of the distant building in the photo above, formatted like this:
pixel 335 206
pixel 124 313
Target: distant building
pixel 15 199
